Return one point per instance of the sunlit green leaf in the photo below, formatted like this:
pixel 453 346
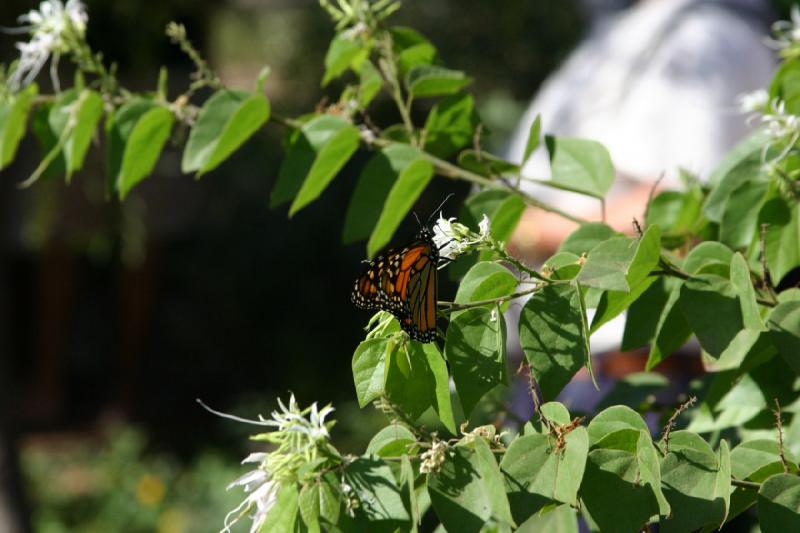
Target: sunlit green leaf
pixel 430 80
pixel 404 192
pixel 143 148
pixel 329 161
pixel 579 165
pixel 374 184
pixel 224 123
pixel 13 119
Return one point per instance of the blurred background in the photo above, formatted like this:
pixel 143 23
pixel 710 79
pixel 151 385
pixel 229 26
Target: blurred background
pixel 115 318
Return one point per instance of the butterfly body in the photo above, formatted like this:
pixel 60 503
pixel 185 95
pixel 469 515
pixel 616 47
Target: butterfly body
pixel 403 282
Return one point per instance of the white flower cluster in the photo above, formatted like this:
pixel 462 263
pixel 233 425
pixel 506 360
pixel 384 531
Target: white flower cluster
pixel 433 458
pixel 787 32
pixel 454 239
pixel 263 484
pixel 49 26
pixel 771 113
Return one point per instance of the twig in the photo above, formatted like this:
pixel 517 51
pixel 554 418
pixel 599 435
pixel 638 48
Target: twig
pixel 389 73
pixel 745 484
pixel 671 422
pixel 779 426
pixel 651 196
pixel 476 141
pixel 637 227
pixel 453 306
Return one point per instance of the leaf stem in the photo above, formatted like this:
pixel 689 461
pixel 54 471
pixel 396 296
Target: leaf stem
pixel 453 306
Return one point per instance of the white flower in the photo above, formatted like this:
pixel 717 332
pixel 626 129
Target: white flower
pixel 779 123
pixel 787 32
pixel 433 459
pixel 48 27
pixel 262 495
pixel 753 101
pixel 454 239
pixel 483 226
pixel 280 466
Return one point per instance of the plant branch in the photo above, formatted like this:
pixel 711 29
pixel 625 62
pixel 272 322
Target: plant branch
pixel 453 306
pixel 671 422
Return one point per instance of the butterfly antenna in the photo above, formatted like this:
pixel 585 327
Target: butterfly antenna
pixel 441 205
pixel 415 216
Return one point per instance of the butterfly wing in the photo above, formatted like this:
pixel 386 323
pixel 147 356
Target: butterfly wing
pixel 403 282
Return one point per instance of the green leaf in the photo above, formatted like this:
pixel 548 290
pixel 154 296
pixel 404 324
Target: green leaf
pixel 476 351
pixel 645 259
pixel 550 335
pixel 536 473
pixel 613 477
pixel 329 161
pixel 779 504
pixel 782 235
pixel 586 237
pixel 344 52
pixel 405 191
pixel 486 280
pixel 706 256
pixel 740 214
pixel 755 461
pixel 441 401
pixel 373 186
pixel 370 84
pixel 785 86
pixel 742 165
pixel 412 49
pixel 430 80
pixel 85 108
pixel 119 127
pixel 283 515
pixel 614 419
pixel 378 494
pixel 13 119
pixel 696 483
pixel 450 125
pixel 465 492
pixel 740 279
pixel 784 330
pixel 489 472
pixel 143 148
pixel 534 138
pixel 579 165
pixel 224 123
pixel 711 308
pixel 369 370
pixel 303 147
pixel 409 382
pixel 650 470
pixel 47 141
pixel 308 503
pixel 407 483
pixel 505 218
pixel 607 265
pixel 672 329
pixel 560 519
pixel 391 441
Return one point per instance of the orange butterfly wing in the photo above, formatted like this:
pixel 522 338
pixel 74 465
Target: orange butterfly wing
pixel 403 282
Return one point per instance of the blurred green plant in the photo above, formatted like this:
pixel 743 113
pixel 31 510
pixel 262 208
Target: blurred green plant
pixel 717 261
pixel 113 483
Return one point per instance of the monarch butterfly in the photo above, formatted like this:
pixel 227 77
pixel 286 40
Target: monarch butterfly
pixel 403 282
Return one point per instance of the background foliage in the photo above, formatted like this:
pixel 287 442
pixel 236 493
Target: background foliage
pixel 715 261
